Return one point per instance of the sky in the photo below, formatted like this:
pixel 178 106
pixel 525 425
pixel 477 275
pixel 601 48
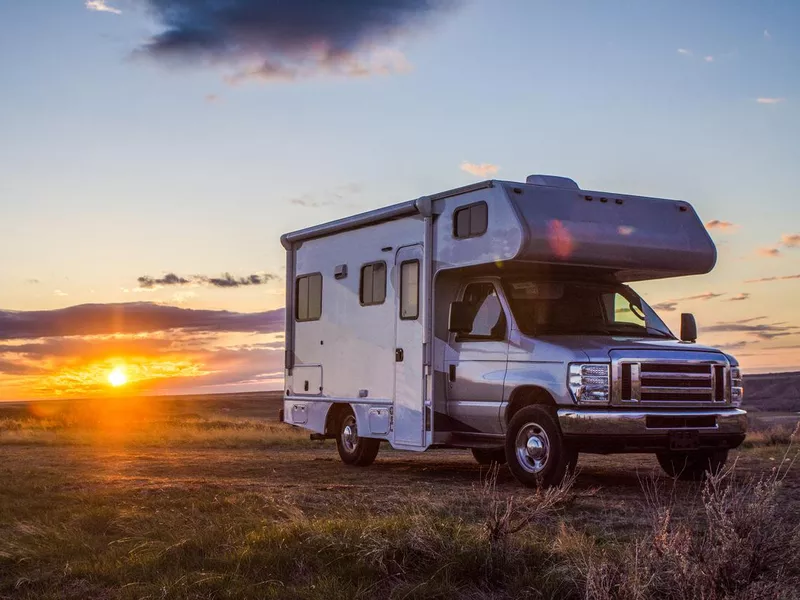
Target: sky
pixel 152 152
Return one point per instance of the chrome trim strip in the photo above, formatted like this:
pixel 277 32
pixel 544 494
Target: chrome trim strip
pixel 655 389
pixel 634 422
pixel 679 376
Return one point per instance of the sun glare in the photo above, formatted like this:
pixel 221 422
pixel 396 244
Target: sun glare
pixel 117 377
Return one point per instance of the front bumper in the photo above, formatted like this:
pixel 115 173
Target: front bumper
pixel 626 430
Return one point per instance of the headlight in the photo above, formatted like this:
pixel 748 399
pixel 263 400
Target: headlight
pixel 589 384
pixel 737 386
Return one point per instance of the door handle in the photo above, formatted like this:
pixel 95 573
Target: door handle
pixel 398 355
pixel 452 373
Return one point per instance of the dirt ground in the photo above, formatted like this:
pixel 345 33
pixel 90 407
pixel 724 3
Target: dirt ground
pixel 316 483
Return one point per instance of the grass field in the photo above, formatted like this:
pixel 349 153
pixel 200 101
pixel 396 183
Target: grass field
pixel 187 499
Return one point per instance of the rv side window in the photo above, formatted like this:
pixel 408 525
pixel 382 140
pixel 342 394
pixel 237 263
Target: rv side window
pixel 409 290
pixel 308 294
pixel 471 221
pixel 373 284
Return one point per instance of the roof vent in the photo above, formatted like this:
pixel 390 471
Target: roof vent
pixel 552 181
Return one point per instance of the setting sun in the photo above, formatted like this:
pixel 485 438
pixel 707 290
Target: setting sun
pixel 117 377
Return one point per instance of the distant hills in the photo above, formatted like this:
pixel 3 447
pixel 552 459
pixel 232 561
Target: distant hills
pixel 772 392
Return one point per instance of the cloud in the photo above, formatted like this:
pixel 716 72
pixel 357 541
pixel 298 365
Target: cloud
pixel 288 40
pixel 779 278
pixel 479 170
pixel 769 252
pixel 229 281
pixel 671 305
pixel 213 98
pixel 767 100
pixel 666 306
pixel 764 331
pixel 708 58
pixel 738 297
pixel 684 51
pixel 791 240
pixel 172 361
pixel 101 6
pixel 59 293
pixel 721 225
pixel 33 281
pixel 146 281
pixel 129 318
pixel 8 367
pixel 226 280
pixel 727 347
pixel 704 296
pixel 330 197
pixel 767 35
pixel 378 61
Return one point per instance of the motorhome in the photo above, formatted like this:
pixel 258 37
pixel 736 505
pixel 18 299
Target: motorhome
pixel 498 317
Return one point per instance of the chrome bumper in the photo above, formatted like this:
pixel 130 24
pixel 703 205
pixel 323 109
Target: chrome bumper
pixel 581 421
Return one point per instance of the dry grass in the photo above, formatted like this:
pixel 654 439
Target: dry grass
pixel 774 435
pixel 147 504
pixel 163 433
pixel 740 544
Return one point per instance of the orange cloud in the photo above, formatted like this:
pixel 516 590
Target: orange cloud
pixel 770 100
pixel 479 170
pixel 721 225
pixel 779 278
pixel 791 240
pixel 769 252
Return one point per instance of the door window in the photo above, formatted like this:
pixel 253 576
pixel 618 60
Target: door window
pixel 489 322
pixel 409 290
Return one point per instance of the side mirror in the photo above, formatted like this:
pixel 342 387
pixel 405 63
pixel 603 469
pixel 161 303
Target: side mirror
pixel 688 328
pixel 461 317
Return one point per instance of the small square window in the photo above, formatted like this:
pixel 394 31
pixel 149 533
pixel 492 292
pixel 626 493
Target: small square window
pixel 308 301
pixel 471 221
pixel 373 284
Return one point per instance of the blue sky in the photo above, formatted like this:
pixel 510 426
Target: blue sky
pixel 115 165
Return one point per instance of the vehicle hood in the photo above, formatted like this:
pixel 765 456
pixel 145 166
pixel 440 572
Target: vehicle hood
pixel 599 347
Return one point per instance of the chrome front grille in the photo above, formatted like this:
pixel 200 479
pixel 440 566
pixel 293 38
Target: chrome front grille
pixel 668 382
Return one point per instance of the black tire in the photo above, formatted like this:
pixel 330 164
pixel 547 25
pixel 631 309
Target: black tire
pixel 692 466
pixel 555 457
pixel 354 450
pixel 487 456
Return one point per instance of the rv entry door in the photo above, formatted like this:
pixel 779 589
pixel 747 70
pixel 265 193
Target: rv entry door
pixel 409 387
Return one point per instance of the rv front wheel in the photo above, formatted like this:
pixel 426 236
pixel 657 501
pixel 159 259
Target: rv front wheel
pixel 535 449
pixel 353 449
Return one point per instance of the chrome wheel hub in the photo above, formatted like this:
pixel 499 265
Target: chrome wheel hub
pixel 532 448
pixel 350 434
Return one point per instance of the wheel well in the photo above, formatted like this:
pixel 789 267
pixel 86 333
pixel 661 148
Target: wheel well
pixel 335 413
pixel 525 396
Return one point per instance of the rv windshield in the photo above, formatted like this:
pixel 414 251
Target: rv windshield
pixel 566 308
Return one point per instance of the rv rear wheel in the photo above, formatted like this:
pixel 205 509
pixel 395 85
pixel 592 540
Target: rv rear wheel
pixel 487 456
pixel 692 466
pixel 535 449
pixel 353 449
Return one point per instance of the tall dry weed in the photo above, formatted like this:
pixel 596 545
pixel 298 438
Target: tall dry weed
pixel 739 544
